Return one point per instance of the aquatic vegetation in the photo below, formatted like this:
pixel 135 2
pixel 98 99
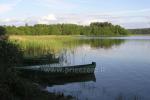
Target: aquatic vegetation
pixel 41 45
pixel 34 46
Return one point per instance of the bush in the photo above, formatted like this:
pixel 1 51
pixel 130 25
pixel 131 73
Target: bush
pixel 12 86
pixel 2 30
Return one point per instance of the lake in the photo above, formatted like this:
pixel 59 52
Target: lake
pixel 122 68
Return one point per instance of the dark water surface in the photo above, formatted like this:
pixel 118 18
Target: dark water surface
pixel 122 70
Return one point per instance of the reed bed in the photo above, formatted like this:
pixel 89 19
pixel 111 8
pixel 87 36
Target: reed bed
pixel 43 44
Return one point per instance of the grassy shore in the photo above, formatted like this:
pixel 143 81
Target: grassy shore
pixel 46 44
pixel 140 35
pixel 12 85
pixel 53 44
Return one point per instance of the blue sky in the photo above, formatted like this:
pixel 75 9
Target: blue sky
pixel 127 13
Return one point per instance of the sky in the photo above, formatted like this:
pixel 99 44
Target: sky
pixel 127 13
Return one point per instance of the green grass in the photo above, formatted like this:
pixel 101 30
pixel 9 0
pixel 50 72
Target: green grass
pixel 140 35
pixel 44 44
pixel 51 44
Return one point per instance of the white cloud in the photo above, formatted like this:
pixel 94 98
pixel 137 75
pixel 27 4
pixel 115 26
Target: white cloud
pixel 5 7
pixel 13 20
pixel 47 19
pixel 30 20
pixel 127 20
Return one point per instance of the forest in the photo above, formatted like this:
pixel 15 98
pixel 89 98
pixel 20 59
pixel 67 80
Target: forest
pixel 140 31
pixel 96 28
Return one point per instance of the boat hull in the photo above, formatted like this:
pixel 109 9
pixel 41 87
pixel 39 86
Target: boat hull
pixel 78 69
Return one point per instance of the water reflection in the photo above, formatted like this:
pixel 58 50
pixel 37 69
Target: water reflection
pixel 46 79
pixel 126 64
pixel 44 54
pixel 40 50
pixel 124 97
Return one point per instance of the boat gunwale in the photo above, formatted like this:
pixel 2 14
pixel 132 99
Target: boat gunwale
pixel 92 65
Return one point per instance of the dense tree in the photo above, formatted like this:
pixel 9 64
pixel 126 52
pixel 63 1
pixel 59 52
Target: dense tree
pixel 2 31
pixel 140 31
pixel 96 28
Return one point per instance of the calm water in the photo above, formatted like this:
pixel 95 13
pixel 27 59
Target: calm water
pixel 122 71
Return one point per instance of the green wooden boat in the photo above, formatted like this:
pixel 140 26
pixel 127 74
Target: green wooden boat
pixel 60 69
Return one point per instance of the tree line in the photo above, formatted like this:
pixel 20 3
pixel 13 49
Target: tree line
pixel 140 31
pixel 96 28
